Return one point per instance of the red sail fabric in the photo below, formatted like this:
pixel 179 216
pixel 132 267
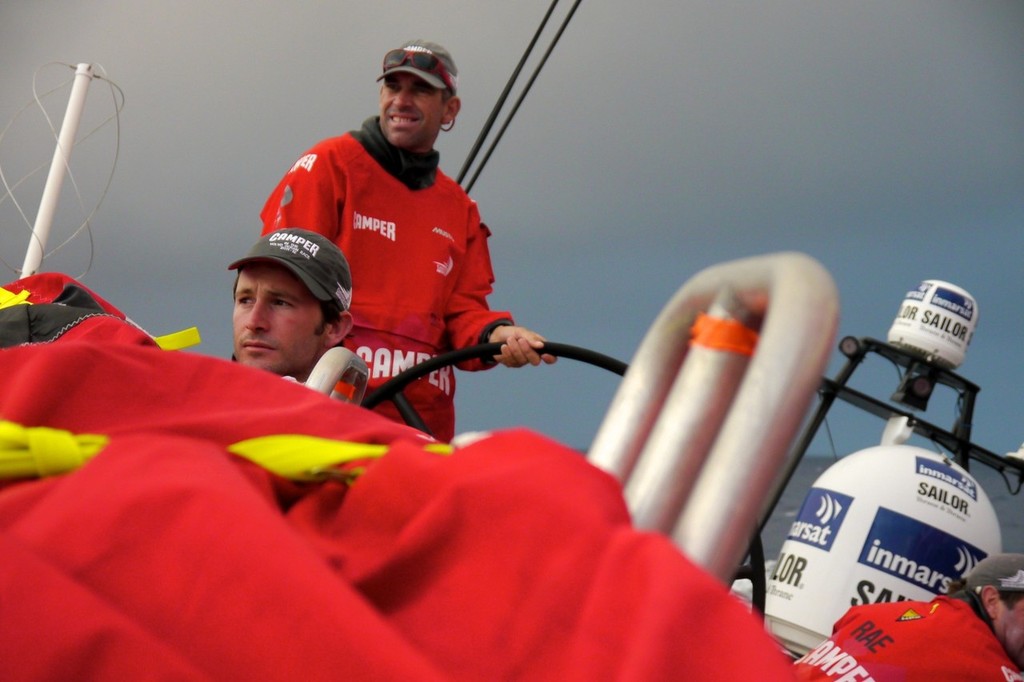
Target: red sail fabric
pixel 45 287
pixel 59 307
pixel 165 557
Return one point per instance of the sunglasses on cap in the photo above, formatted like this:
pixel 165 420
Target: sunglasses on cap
pixel 421 61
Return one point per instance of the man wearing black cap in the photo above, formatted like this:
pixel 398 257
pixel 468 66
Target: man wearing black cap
pixel 974 633
pixel 413 237
pixel 292 296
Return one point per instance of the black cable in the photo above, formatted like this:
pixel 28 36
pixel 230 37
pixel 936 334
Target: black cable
pixel 522 95
pixel 504 96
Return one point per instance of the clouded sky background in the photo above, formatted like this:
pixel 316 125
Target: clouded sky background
pixel 885 139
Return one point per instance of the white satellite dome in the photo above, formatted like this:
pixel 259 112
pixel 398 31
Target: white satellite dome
pixel 935 321
pixel 886 523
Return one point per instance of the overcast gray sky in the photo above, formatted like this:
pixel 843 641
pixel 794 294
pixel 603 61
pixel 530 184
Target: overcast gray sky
pixel 885 139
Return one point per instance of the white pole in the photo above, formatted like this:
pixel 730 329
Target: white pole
pixel 61 158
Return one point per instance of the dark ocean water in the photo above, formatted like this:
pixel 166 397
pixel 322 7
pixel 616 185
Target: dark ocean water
pixel 1009 508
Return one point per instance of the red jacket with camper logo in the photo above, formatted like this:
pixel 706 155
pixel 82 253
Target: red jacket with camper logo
pixel 421 269
pixel 909 641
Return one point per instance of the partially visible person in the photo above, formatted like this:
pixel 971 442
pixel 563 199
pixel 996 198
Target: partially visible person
pixel 975 632
pixel 414 238
pixel 292 296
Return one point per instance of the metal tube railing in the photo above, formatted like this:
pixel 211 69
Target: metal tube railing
pixel 698 401
pixel 672 417
pixel 341 374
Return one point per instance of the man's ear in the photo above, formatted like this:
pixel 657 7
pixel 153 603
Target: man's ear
pixel 335 332
pixel 451 110
pixel 990 600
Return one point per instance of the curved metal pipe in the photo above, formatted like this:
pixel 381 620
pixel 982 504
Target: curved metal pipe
pixel 339 368
pixel 672 416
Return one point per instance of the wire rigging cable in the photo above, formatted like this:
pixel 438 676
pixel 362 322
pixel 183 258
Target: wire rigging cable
pixel 504 95
pixel 117 103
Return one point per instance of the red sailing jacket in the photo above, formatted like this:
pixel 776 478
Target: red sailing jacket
pixel 910 641
pixel 421 269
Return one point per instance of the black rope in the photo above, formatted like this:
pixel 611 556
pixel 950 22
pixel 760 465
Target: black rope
pixel 522 95
pixel 504 96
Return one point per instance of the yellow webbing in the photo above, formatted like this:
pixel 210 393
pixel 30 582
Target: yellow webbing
pixel 8 298
pixel 186 338
pixel 42 451
pixel 306 458
pixel 36 451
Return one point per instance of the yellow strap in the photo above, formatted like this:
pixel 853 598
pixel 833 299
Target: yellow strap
pixel 307 458
pixel 41 451
pixel 8 298
pixel 178 340
pixel 36 451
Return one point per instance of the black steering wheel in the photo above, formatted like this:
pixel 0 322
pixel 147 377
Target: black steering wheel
pixel 393 390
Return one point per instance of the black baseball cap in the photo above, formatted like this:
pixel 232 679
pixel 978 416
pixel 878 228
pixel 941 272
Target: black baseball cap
pixel 312 257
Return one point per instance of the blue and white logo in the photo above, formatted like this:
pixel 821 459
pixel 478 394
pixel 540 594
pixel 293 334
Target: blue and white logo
pixel 920 554
pixel 954 302
pixel 918 294
pixel 948 475
pixel 820 518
